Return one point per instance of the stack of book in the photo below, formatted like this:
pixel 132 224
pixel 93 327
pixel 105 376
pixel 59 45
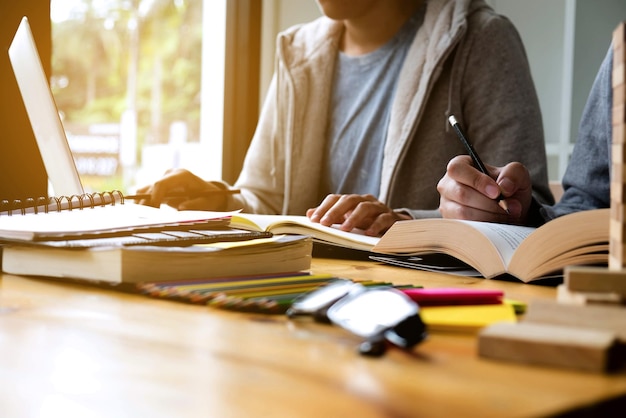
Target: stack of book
pixel 119 242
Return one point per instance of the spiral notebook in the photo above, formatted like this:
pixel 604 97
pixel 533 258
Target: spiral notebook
pixel 105 219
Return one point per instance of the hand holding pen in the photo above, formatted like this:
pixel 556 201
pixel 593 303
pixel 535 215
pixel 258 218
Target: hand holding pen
pixel 475 158
pixel 466 193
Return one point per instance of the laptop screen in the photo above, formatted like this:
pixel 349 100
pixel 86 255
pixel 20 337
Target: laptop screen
pixel 43 113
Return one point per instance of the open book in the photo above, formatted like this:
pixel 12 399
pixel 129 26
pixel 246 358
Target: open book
pixel 293 224
pixel 496 249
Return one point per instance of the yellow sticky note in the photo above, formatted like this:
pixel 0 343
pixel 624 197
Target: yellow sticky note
pixel 466 318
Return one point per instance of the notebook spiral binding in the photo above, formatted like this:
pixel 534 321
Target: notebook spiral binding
pixel 44 204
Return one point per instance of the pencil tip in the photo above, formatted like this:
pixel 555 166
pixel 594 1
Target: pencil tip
pixel 452 120
pixel 504 205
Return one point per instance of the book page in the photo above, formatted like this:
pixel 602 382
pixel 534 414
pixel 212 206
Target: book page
pixel 566 240
pixel 506 238
pixel 285 224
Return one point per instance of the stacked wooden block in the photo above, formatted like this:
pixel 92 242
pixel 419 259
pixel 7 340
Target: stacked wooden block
pixel 585 328
pixel 617 232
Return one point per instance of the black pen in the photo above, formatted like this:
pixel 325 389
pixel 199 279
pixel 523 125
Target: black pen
pixel 475 158
pixel 188 195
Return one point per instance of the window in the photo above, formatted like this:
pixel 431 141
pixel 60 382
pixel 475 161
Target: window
pixel 139 85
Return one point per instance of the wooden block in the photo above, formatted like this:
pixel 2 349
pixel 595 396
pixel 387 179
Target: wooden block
pixel 617 254
pixel 619 95
pixel 618 192
pixel 595 279
pixel 618 211
pixel 619 134
pixel 617 229
pixel 618 153
pixel 564 295
pixel 603 317
pixel 618 172
pixel 619 34
pixel 550 345
pixel 619 54
pixel 618 77
pixel 619 115
pixel 616 263
pixel 616 242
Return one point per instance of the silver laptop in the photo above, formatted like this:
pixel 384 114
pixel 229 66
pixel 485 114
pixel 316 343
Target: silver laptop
pixel 43 114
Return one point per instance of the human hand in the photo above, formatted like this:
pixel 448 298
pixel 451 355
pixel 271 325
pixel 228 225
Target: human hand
pixel 466 193
pixel 191 187
pixel 355 211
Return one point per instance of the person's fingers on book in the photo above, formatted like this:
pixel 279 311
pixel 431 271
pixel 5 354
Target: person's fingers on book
pixel 370 215
pixel 343 211
pixel 363 215
pixel 316 214
pixel 310 213
pixel 383 222
pixel 354 211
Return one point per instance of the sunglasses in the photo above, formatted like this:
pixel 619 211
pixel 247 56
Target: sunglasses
pixel 380 314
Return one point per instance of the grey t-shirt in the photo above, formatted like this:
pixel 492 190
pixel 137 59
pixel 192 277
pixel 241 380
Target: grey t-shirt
pixel 363 91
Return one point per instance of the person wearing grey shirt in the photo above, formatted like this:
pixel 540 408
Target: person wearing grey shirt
pixel 360 105
pixel 356 114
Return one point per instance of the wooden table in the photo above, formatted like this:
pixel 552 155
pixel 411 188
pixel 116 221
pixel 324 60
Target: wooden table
pixel 75 351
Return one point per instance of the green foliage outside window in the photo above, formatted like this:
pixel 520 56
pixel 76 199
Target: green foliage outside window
pixel 112 56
